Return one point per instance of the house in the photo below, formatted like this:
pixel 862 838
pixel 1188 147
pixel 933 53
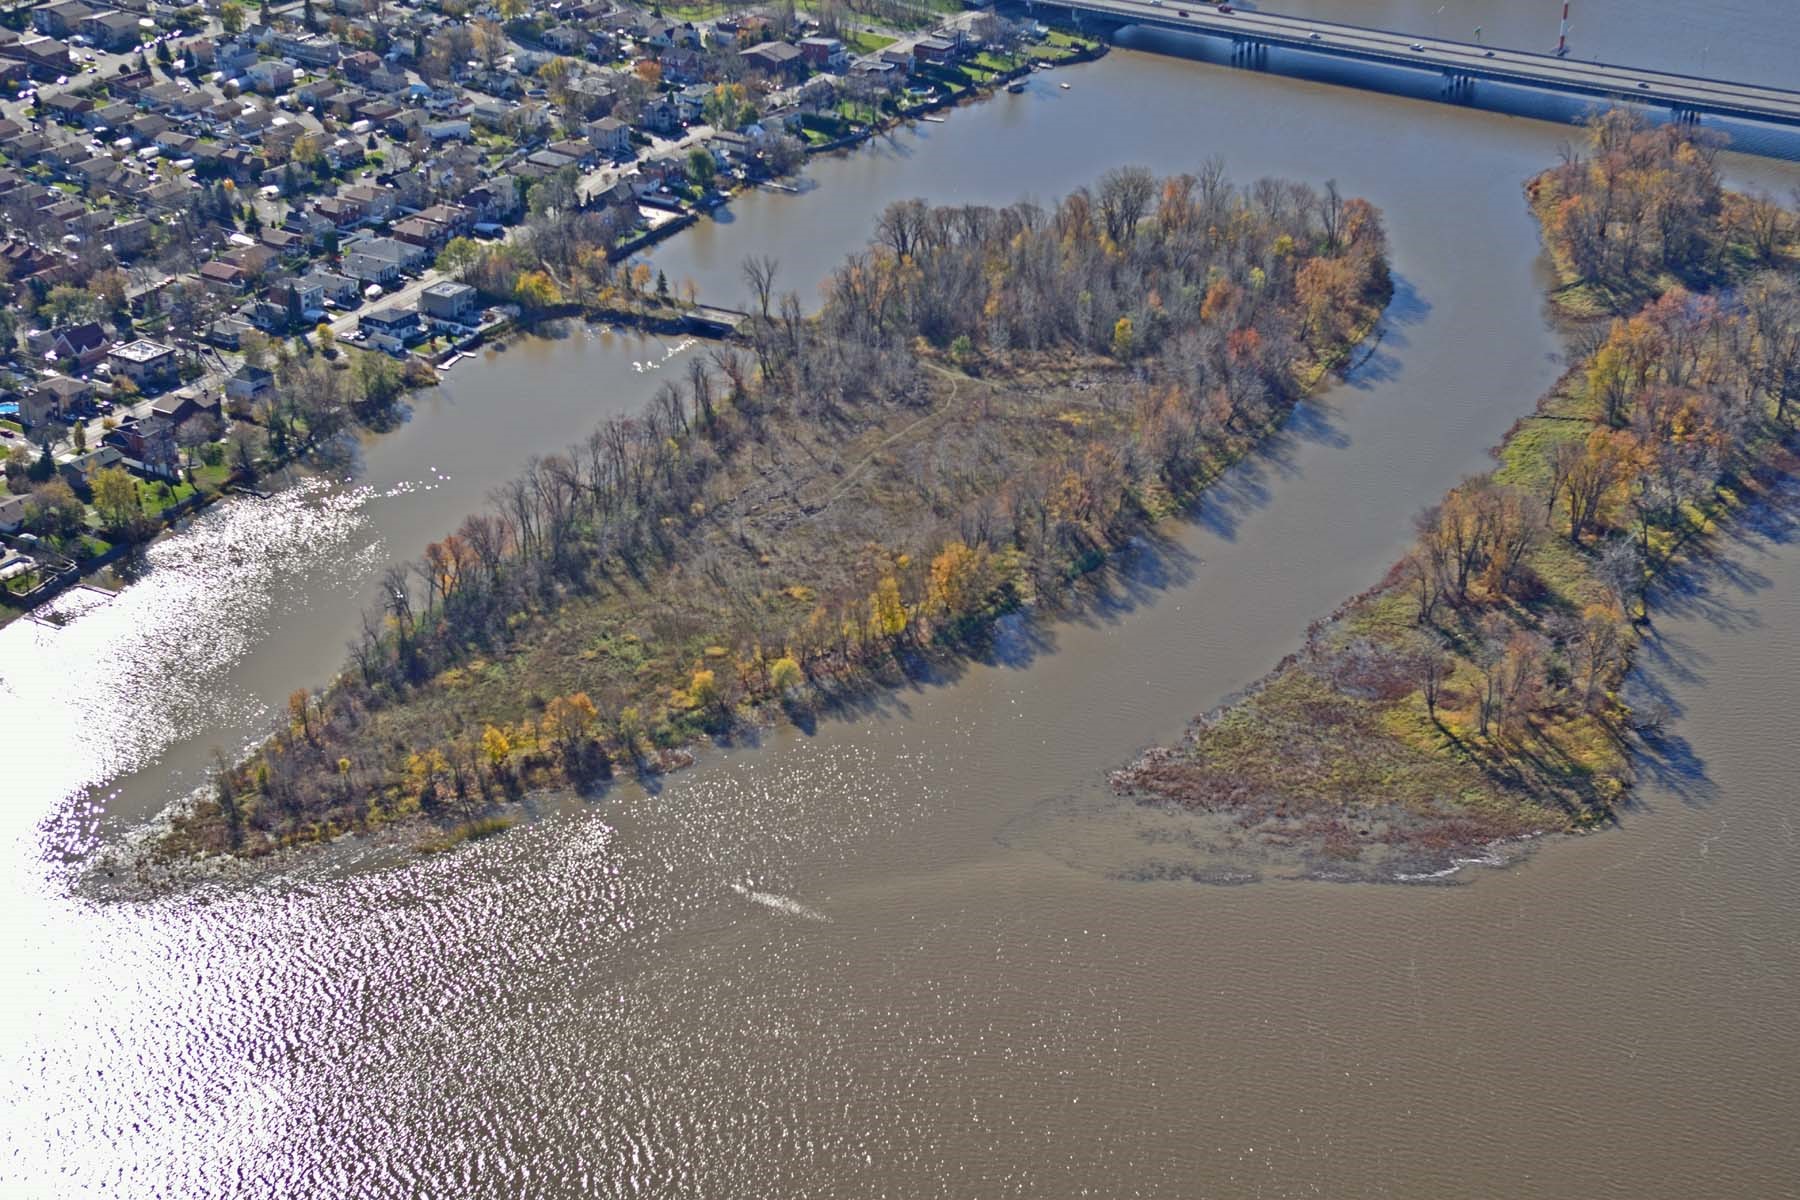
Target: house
pixel 457 220
pixel 934 50
pixel 12 513
pixel 146 363
pixel 663 169
pixel 227 333
pixel 254 259
pixel 454 302
pixel 775 59
pixel 405 255
pixel 146 129
pixel 45 58
pixel 660 115
pixel 171 195
pixel 178 408
pixel 339 289
pixel 565 39
pixel 128 238
pixel 199 52
pixel 312 49
pixel 79 471
pixel 223 277
pixel 148 445
pixel 496 200
pixel 60 20
pixel 418 231
pixel 66 107
pixel 369 269
pixel 311 226
pixel 725 33
pixel 234 57
pixel 691 101
pixel 360 65
pixel 242 164
pixel 269 76
pixel 681 66
pixel 610 136
pixel 825 54
pixel 394 330
pixel 317 92
pixel 284 242
pixel 82 345
pixel 115 116
pixel 377 202
pixel 551 161
pixel 449 131
pixel 309 298
pixel 111 30
pixel 271 316
pixel 250 384
pixel 160 97
pixel 52 398
pixel 341 211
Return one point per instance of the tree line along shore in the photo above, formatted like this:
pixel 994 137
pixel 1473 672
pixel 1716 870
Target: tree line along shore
pixel 989 401
pixel 1475 693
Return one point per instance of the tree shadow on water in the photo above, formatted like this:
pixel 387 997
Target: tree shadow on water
pixel 1248 484
pixel 1712 585
pixel 1671 765
pixel 1379 363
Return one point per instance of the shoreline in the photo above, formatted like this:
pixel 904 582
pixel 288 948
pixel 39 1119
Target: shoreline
pixel 502 336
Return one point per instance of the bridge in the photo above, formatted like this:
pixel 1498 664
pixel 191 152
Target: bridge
pixel 1461 64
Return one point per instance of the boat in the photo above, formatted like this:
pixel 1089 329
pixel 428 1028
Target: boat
pixel 1063 86
pixel 1016 86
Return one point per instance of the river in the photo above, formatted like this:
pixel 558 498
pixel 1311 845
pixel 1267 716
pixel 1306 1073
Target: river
pixel 915 952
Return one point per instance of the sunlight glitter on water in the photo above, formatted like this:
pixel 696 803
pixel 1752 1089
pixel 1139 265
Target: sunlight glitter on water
pixel 111 688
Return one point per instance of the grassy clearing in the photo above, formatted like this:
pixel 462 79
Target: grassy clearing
pixel 865 41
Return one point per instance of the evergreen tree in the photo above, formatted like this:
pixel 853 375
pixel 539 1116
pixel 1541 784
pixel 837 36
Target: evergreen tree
pixel 44 468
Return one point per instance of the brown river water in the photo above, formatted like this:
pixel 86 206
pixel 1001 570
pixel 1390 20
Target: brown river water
pixel 916 951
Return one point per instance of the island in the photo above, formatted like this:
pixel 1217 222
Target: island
pixel 1476 693
pixel 988 403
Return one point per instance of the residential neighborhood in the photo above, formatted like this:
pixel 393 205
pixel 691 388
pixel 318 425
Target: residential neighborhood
pixel 201 204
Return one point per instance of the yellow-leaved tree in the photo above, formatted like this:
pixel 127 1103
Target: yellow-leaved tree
pixel 887 613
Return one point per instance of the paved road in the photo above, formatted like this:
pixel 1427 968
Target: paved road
pixel 1715 96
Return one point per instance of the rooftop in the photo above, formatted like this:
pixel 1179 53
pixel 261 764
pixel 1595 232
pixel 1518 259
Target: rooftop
pixel 142 351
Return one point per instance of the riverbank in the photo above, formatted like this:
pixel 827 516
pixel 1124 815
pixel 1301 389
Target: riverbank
pixel 766 538
pixel 1474 695
pixel 320 392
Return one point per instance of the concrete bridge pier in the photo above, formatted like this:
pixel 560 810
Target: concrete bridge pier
pixel 1458 88
pixel 1683 115
pixel 1251 55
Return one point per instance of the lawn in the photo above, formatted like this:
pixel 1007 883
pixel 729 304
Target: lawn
pixel 155 500
pixel 1059 46
pixel 865 41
